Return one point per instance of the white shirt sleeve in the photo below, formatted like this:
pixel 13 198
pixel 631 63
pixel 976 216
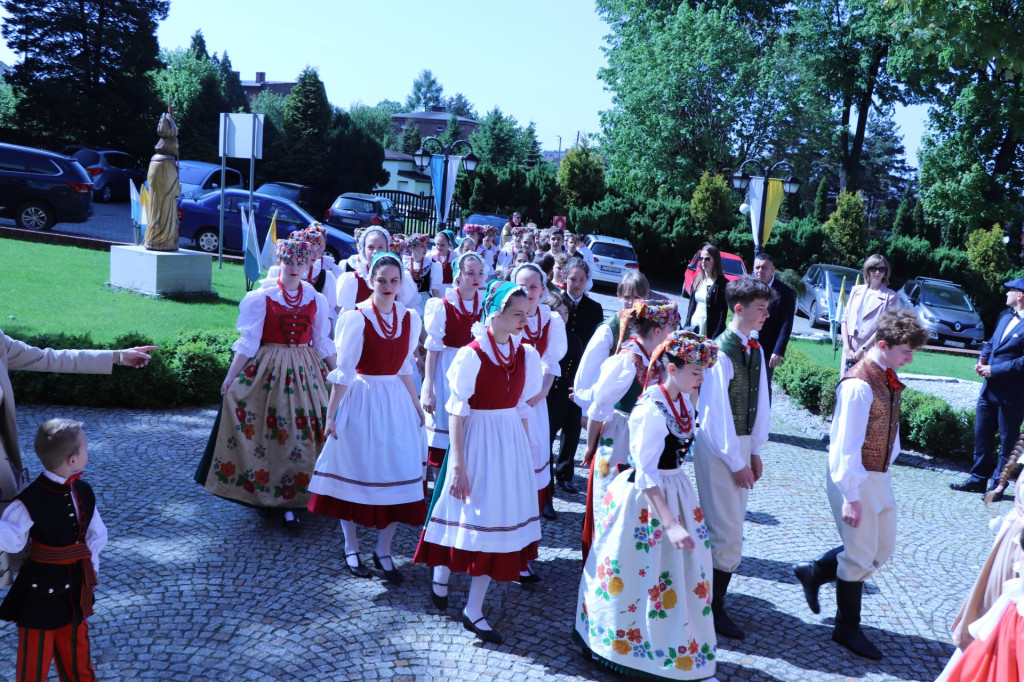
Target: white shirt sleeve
pixel 321 332
pixel 762 423
pixel 647 432
pixel 96 538
pixel 347 290
pixel 348 339
pixel 598 349
pixel 532 382
pixel 558 344
pixel 330 293
pixel 436 276
pixel 14 526
pixel 617 375
pixel 462 381
pixel 251 313
pixel 408 295
pixel 415 326
pixel 849 428
pixel 435 319
pixel 717 428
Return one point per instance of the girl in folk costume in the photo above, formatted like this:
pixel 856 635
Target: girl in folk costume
pixel 355 286
pixel 644 598
pixel 371 469
pixel 442 256
pixel 419 268
pixel 622 379
pixel 545 331
pixel 323 261
pixel 511 248
pixel 1006 552
pixel 269 430
pixel 483 518
pixel 488 248
pixel 449 322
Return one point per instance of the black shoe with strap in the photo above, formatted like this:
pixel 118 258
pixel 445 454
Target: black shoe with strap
pixel 359 570
pixel 440 603
pixel 847 631
pixel 392 575
pixel 488 636
pixel 724 625
pixel 813 574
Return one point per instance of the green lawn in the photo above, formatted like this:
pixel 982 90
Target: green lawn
pixel 932 364
pixel 52 289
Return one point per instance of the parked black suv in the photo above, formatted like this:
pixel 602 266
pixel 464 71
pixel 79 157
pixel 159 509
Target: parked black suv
pixel 303 195
pixel 39 189
pixel 352 210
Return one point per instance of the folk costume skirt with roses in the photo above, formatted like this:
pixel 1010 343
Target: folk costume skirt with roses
pixel 269 430
pixel 644 607
pixel 496 530
pixel 373 472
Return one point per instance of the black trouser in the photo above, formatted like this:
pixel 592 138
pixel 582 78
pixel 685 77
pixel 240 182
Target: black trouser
pixel 992 417
pixel 564 416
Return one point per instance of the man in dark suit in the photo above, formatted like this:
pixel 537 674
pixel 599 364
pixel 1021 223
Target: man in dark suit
pixel 1001 403
pixel 774 336
pixel 584 317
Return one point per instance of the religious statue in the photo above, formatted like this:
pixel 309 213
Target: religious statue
pixel 164 188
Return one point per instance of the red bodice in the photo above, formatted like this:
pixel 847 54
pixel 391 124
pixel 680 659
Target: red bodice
pixel 495 389
pixel 293 326
pixel 457 327
pixel 382 357
pixel 446 272
pixel 541 344
pixel 363 290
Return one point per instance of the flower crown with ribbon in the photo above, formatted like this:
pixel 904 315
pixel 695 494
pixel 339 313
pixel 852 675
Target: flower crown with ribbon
pixel 417 239
pixel 472 229
pixel 293 250
pixel 661 313
pixel 691 348
pixel 521 230
pixel 396 244
pixel 315 235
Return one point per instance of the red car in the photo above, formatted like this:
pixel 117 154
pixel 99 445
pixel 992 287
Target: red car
pixel 732 266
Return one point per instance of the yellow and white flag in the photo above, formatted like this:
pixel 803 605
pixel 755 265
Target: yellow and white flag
pixel 268 256
pixel 755 190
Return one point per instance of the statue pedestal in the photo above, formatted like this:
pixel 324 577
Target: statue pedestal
pixel 161 273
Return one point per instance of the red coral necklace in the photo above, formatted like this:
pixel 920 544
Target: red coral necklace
pixel 476 305
pixel 532 337
pixel 685 421
pixel 390 330
pixel 507 363
pixel 290 300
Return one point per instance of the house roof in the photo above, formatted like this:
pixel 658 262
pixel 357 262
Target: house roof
pixel 430 116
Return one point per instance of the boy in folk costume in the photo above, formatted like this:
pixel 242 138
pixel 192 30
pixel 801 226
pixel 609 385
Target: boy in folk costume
pixel 53 594
pixel 734 409
pixel 864 442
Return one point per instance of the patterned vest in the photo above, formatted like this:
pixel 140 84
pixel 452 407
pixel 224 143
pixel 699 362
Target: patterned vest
pixel 884 417
pixel 746 380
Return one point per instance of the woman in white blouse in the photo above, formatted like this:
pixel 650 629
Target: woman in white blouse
pixel 864 308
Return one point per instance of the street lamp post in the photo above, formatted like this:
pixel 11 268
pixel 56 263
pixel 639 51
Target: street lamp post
pixel 422 159
pixel 740 182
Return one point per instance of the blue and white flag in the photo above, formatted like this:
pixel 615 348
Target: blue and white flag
pixel 252 247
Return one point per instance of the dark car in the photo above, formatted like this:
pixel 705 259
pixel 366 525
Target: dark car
pixel 302 195
pixel 199 218
pixel 39 189
pixel 492 219
pixel 945 311
pixel 109 171
pixel 352 210
pixel 199 177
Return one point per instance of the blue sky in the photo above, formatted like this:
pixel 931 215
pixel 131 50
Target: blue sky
pixel 534 59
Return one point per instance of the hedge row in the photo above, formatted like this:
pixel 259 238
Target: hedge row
pixel 187 371
pixel 928 424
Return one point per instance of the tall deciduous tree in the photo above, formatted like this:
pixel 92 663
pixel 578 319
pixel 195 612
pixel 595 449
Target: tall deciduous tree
pixel 84 72
pixel 375 122
pixel 426 92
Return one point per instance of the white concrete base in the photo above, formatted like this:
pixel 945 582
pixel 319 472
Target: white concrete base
pixel 160 272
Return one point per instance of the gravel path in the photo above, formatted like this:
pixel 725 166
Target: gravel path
pixel 960 394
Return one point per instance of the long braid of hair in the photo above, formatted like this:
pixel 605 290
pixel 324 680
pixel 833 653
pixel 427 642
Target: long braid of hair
pixel 1011 470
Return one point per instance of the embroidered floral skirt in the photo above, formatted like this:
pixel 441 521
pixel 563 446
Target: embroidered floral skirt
pixel 269 430
pixel 612 450
pixel 644 607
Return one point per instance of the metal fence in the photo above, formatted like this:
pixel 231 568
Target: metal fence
pixel 417 211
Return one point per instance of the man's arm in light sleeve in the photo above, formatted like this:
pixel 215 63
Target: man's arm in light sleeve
pixel 715 413
pixel 849 427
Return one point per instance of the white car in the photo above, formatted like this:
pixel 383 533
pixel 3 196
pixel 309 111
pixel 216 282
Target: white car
pixel 612 258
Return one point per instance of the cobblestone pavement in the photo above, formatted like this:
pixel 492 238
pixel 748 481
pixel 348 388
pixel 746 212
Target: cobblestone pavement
pixel 195 588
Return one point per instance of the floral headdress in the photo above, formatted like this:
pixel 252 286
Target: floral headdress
pixel 491 230
pixel 294 250
pixel 661 313
pixel 315 235
pixel 417 239
pixel 691 348
pixel 521 230
pixel 472 229
pixel 396 244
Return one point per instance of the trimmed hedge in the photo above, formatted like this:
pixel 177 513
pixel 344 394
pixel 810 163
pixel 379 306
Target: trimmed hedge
pixel 927 423
pixel 187 371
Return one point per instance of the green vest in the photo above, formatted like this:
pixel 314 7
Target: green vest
pixel 628 401
pixel 746 380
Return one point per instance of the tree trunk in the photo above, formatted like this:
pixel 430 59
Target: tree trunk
pixel 852 159
pixel 844 138
pixel 1003 163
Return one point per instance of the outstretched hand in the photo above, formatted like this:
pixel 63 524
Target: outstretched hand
pixel 137 357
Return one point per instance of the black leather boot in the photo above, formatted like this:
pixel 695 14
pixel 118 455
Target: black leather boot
pixel 723 623
pixel 813 574
pixel 847 630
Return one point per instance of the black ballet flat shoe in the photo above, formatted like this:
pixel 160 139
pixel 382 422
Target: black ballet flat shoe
pixel 359 570
pixel 568 488
pixel 440 603
pixel 530 578
pixel 549 512
pixel 292 522
pixel 392 576
pixel 488 636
